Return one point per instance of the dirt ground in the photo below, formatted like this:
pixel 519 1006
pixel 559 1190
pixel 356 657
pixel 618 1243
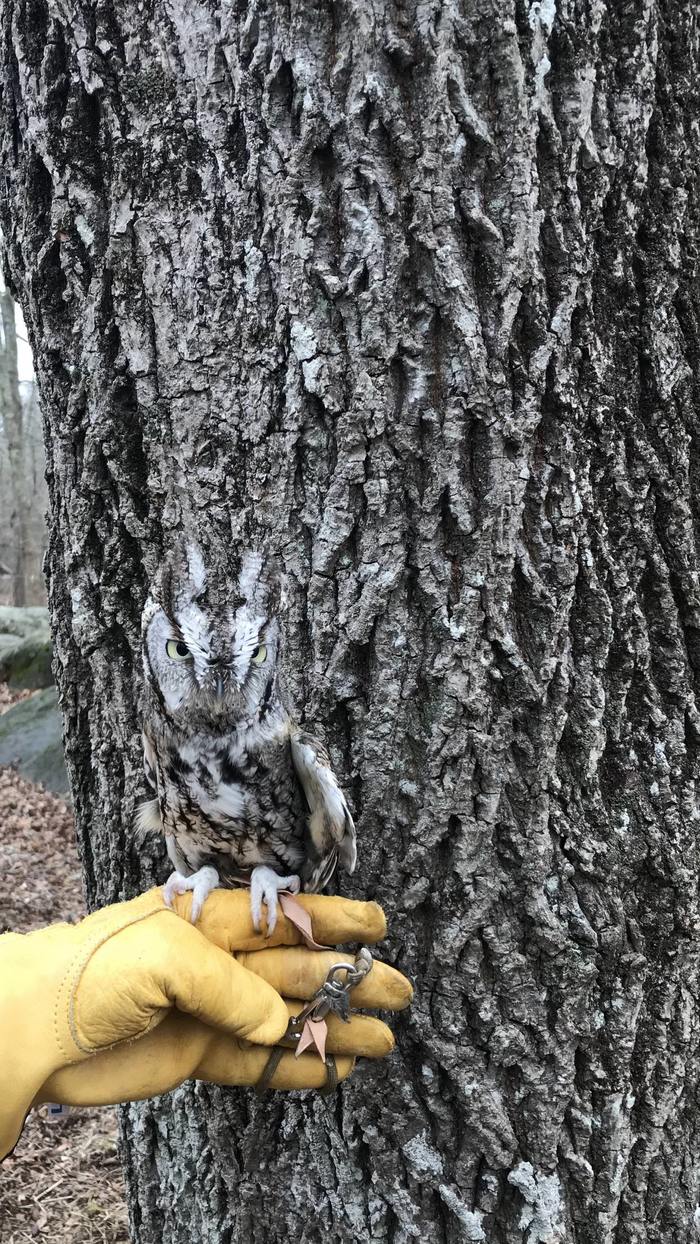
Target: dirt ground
pixel 63 1182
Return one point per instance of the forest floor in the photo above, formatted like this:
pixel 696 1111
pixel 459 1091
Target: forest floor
pixel 63 1182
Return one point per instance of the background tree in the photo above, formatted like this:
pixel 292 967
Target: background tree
pixel 23 497
pixel 34 496
pixel 409 292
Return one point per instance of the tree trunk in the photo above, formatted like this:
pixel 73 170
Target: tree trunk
pixel 410 292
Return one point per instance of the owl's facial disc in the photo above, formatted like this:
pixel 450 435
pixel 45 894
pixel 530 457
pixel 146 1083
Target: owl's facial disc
pixel 222 667
pixel 212 648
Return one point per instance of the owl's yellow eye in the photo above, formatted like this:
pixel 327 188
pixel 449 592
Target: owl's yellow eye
pixel 259 657
pixel 176 650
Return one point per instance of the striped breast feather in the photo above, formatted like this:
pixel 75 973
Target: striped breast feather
pixel 331 826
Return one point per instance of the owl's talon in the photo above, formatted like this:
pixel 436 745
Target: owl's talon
pixel 200 883
pixel 176 884
pixel 264 888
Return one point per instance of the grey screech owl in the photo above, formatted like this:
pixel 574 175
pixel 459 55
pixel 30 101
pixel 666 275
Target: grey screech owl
pixel 241 792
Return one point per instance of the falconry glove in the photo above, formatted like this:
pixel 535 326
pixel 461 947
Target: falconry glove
pixel 134 999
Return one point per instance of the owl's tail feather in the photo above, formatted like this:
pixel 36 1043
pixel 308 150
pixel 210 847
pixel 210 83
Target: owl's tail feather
pixel 347 851
pixel 317 874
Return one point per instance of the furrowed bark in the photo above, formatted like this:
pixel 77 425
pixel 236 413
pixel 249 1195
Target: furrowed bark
pixel 409 292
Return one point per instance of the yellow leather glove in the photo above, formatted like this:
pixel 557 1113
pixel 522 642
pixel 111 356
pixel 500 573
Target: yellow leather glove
pixel 134 999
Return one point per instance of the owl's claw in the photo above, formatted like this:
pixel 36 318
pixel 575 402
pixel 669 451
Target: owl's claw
pixel 264 887
pixel 200 883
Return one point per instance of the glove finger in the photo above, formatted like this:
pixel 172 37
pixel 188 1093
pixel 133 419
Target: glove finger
pixel 215 988
pixel 134 1070
pixel 361 1036
pixel 298 973
pixel 307 1071
pixel 226 920
pixel 181 1048
pixel 170 964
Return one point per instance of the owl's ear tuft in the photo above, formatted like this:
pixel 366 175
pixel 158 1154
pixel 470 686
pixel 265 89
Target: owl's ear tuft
pixel 284 588
pixel 250 574
pixel 196 570
pixel 181 576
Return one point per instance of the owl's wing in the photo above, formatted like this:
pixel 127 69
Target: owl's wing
pixel 148 814
pixel 331 827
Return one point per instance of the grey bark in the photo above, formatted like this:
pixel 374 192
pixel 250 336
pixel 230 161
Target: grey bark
pixel 410 292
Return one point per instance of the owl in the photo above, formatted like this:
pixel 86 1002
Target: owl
pixel 241 793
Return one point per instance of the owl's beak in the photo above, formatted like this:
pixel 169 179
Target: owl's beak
pixel 216 680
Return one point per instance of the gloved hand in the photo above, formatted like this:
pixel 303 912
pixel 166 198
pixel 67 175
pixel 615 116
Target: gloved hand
pixel 134 999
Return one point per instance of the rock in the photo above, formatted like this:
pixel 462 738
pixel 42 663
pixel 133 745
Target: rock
pixel 25 663
pixel 25 647
pixel 23 621
pixel 31 740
